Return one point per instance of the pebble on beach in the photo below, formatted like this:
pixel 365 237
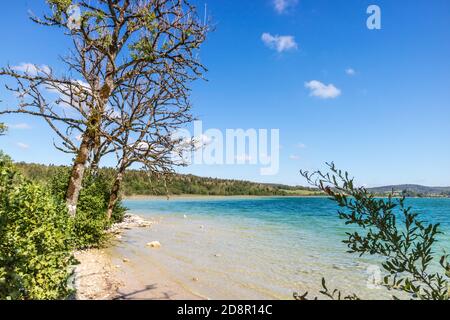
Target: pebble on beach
pixel 125 260
pixel 195 279
pixel 154 244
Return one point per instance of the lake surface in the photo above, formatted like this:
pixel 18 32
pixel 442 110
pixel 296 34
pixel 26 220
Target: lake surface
pixel 258 248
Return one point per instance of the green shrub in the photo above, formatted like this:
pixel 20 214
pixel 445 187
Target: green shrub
pixel 37 235
pixel 35 246
pixel 90 222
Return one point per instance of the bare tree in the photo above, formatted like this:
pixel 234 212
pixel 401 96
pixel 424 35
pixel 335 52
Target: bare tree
pixel 114 41
pixel 142 123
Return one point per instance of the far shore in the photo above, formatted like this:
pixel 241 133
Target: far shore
pixel 210 197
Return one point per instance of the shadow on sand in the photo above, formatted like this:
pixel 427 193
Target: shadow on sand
pixel 143 294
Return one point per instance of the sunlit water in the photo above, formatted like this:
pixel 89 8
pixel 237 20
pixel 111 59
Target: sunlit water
pixel 258 248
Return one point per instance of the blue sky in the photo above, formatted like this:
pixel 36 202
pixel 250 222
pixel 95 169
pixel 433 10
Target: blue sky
pixel 382 113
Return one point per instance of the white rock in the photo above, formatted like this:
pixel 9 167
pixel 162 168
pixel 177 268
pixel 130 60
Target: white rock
pixel 154 244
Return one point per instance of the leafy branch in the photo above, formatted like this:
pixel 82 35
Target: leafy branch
pixel 387 228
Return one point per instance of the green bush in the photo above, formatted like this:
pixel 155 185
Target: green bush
pixel 90 222
pixel 37 235
pixel 35 246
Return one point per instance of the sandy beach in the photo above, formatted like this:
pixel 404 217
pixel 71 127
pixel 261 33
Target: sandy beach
pixel 103 275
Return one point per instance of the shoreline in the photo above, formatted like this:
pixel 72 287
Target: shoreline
pixel 209 197
pixel 102 274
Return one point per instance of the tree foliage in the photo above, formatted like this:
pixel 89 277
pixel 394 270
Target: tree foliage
pixel 387 228
pixel 35 239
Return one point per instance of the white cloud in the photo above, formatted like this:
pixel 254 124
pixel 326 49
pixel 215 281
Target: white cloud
pixel 19 126
pixel 294 157
pixel 78 87
pixel 202 141
pixel 141 146
pixel 192 144
pixel 320 90
pixel 70 94
pixel 301 145
pixel 279 43
pixel 32 69
pixel 350 71
pixel 281 6
pixel 22 145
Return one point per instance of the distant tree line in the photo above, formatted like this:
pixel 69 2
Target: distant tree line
pixel 140 182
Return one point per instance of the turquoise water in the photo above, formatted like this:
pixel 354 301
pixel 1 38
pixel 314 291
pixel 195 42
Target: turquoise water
pixel 260 248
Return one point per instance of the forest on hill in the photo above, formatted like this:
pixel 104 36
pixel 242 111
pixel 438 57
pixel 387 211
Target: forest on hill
pixel 412 190
pixel 138 182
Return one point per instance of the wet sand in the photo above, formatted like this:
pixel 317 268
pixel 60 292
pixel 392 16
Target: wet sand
pixel 106 274
pixel 139 281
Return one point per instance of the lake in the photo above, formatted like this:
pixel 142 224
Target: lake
pixel 259 248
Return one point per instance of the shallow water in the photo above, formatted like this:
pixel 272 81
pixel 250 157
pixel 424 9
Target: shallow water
pixel 257 248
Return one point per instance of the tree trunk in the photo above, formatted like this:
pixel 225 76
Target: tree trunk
pixel 76 177
pixel 114 195
pixel 90 139
pixel 95 161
